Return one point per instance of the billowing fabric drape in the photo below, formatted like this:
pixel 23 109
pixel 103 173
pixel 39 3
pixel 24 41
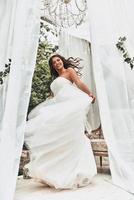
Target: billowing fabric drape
pixel 71 46
pixel 19 32
pixel 115 83
pixel 114 80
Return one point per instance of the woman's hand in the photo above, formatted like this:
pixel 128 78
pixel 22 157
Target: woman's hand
pixel 74 78
pixel 93 97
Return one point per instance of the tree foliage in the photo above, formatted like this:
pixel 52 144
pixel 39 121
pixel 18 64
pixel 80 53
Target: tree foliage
pixel 42 78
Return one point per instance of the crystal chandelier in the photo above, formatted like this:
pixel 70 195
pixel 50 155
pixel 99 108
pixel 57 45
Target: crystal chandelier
pixel 65 13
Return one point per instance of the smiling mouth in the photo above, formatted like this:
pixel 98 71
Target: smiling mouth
pixel 58 66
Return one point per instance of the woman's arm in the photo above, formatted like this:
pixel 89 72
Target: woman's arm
pixel 74 78
pixel 51 95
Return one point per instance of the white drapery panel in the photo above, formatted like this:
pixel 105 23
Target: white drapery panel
pixel 19 32
pixel 71 46
pixel 7 17
pixel 115 83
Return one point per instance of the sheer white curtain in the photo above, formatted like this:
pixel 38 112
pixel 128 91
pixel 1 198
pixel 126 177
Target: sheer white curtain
pixel 108 20
pixel 115 83
pixel 19 32
pixel 7 16
pixel 71 44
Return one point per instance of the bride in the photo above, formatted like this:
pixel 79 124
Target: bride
pixel 61 154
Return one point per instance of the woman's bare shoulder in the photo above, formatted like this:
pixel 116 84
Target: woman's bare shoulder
pixel 71 70
pixel 73 75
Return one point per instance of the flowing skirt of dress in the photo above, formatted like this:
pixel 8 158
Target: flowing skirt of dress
pixel 61 154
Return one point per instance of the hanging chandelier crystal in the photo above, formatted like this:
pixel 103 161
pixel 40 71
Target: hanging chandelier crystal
pixel 65 13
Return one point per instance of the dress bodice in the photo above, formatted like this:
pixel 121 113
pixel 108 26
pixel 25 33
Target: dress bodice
pixel 58 84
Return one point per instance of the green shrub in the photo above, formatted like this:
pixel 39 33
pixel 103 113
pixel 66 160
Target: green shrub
pixel 41 80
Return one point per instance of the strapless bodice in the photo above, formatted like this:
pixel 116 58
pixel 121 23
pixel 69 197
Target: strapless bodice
pixel 59 83
pixel 64 90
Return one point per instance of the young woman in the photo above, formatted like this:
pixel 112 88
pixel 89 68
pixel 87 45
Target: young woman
pixel 61 154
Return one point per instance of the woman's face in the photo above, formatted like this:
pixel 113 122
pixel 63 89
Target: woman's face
pixel 57 63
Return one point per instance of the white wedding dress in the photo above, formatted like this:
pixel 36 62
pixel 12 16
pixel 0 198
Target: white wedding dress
pixel 61 154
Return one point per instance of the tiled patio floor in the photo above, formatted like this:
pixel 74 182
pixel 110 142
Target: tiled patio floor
pixel 100 189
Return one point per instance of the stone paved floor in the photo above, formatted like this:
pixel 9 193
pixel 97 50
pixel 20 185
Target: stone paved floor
pixel 100 189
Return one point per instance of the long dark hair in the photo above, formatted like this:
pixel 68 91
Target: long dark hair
pixel 70 62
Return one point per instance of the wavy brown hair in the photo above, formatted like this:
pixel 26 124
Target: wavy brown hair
pixel 70 62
